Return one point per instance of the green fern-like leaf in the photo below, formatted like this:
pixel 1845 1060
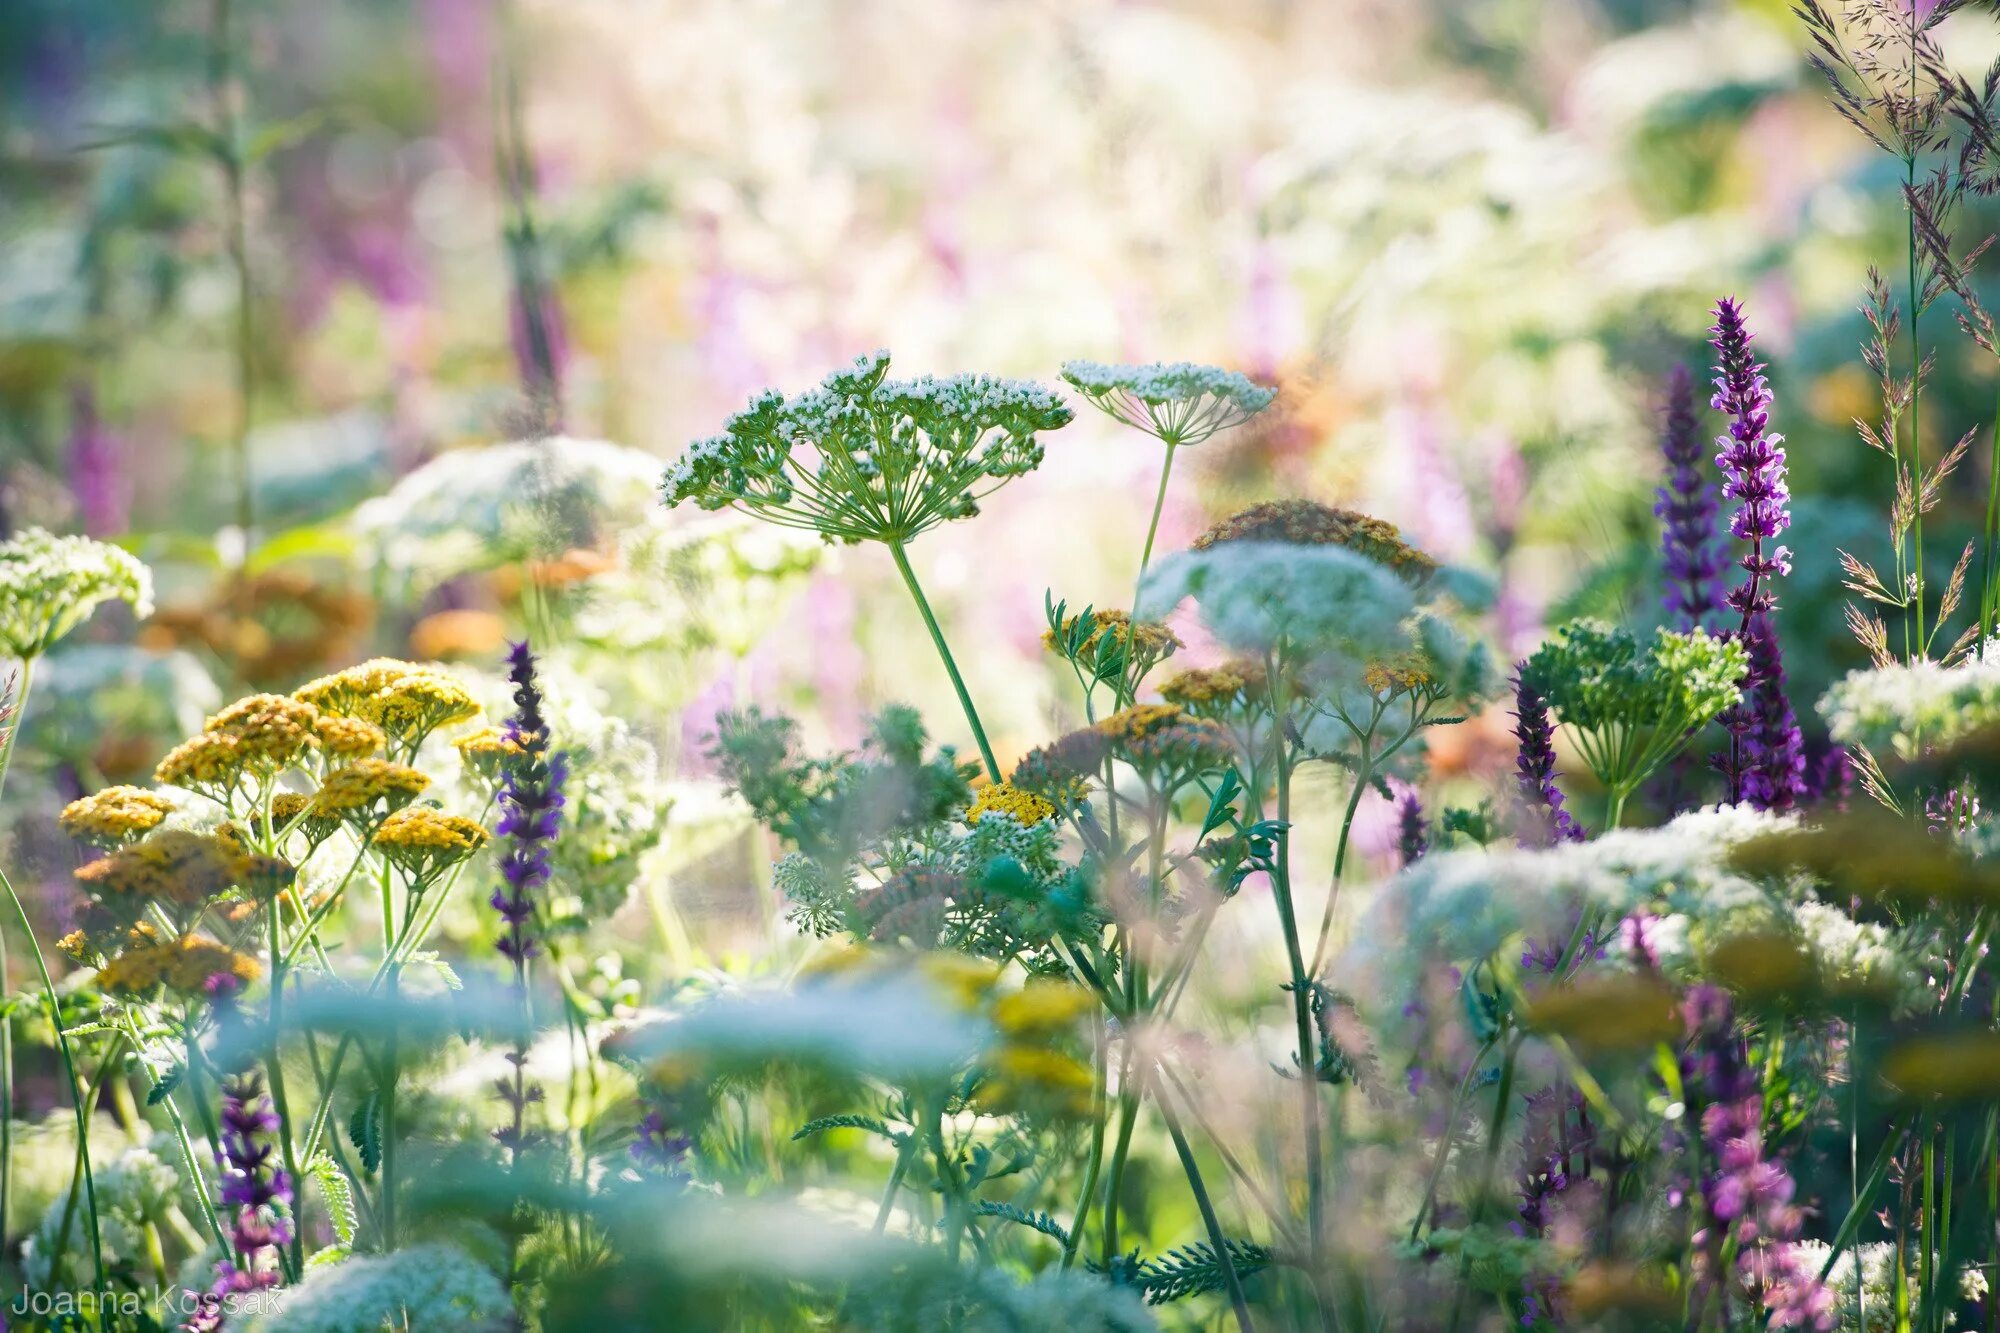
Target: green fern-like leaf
pixel 364 1131
pixel 1041 1222
pixel 339 1197
pixel 1194 1269
pixel 867 1122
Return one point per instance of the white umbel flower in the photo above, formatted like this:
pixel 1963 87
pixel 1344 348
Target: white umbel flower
pixel 49 585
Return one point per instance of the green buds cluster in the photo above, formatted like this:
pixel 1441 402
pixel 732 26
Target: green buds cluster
pixel 867 458
pixel 49 585
pixel 1631 711
pixel 1178 403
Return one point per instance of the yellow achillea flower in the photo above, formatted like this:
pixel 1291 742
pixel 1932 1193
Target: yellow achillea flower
pixel 115 816
pixel 1214 691
pixel 346 738
pixel 343 690
pixel 966 980
pixel 211 764
pixel 1029 1076
pixel 1144 643
pixel 417 705
pixel 177 866
pixel 485 750
pixel 183 965
pixel 1956 1066
pixel 272 731
pixel 1006 799
pixel 1139 721
pixel 368 789
pixel 423 842
pixel 1396 677
pixel 286 809
pixel 1042 1009
pixel 1630 1013
pixel 1164 740
pixel 1305 523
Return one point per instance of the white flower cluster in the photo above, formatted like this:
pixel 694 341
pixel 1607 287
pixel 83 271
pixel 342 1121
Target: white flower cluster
pixel 49 585
pixel 133 1190
pixel 1467 905
pixel 866 458
pixel 471 509
pixel 424 1286
pixel 1875 1311
pixel 1178 402
pixel 1900 710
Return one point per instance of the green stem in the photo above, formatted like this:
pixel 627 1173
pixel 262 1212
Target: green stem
pixel 1216 1239
pixel 1501 1099
pixel 1101 1064
pixel 1857 1212
pixel 903 1152
pixel 49 994
pixel 1153 528
pixel 221 83
pixel 1916 388
pixel 944 652
pixel 1989 595
pixel 296 1259
pixel 1308 1074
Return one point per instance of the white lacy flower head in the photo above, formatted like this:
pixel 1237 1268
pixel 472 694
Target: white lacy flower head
pixel 133 1189
pixel 1178 402
pixel 423 1286
pixel 867 458
pixel 49 585
pixel 470 509
pixel 1318 604
pixel 1468 905
pixel 1902 708
pixel 1876 1310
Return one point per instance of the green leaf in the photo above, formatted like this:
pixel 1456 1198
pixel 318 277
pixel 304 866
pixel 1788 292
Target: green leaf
pixel 183 138
pixel 1041 1222
pixel 1194 1269
pixel 282 134
pixel 339 1196
pixel 364 1131
pixel 164 1087
pixel 869 1123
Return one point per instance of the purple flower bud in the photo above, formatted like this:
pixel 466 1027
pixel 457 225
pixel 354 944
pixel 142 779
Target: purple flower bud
pixel 1686 508
pixel 1535 768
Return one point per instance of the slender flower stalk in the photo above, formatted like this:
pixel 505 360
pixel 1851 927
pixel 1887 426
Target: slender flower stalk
pixel 1535 771
pixel 531 803
pixel 1686 508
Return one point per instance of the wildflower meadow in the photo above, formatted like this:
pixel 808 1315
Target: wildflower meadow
pixel 934 665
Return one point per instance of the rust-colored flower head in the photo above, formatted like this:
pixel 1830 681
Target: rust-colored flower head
pixel 273 732
pixel 1223 692
pixel 180 868
pixel 1308 523
pixel 182 965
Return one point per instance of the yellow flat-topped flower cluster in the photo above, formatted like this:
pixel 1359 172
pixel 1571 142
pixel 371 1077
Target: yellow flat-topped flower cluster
pixel 423 842
pixel 368 789
pixel 180 867
pixel 184 965
pixel 1003 798
pixel 407 701
pixel 115 816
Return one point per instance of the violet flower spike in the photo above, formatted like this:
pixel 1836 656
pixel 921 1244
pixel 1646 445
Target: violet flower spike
pixel 1535 769
pixel 258 1188
pixel 1752 460
pixel 1412 831
pixel 1686 507
pixel 531 800
pixel 1764 765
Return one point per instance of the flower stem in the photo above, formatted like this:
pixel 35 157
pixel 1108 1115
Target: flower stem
pixel 1216 1239
pixel 944 651
pixel 69 1077
pixel 1153 528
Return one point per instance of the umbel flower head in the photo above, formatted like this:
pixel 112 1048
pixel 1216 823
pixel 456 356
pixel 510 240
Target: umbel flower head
pixel 867 458
pixel 1630 712
pixel 1177 403
pixel 49 585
